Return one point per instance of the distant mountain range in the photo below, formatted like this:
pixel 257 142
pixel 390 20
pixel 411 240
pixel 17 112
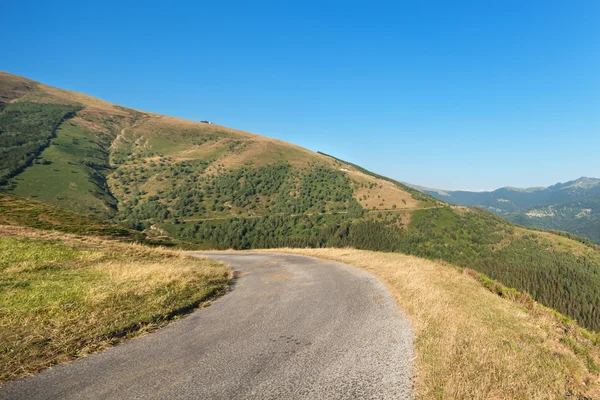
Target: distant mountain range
pixel 573 206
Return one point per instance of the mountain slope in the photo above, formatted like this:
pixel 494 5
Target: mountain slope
pixel 572 206
pixel 218 187
pixel 104 155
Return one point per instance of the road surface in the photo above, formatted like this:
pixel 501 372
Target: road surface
pixel 292 327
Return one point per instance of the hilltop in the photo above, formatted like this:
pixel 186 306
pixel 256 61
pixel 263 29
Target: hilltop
pixel 217 187
pixel 572 206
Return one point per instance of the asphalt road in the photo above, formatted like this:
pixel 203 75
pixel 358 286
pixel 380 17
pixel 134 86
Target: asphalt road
pixel 292 327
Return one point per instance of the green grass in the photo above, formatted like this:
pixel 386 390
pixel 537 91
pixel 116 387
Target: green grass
pixel 70 173
pixel 17 211
pixel 25 130
pixel 167 144
pixel 62 298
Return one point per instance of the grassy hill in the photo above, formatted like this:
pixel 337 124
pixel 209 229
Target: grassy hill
pixel 220 188
pixel 572 206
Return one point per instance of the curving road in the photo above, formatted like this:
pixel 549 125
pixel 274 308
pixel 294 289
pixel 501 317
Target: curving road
pixel 293 327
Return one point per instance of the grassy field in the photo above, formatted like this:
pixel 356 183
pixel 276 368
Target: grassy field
pixel 473 344
pixel 63 297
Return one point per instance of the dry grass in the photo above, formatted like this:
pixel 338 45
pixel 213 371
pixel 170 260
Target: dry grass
pixel 63 296
pixel 13 86
pixel 473 344
pixel 261 150
pixel 269 151
pixel 44 93
pixel 158 123
pixel 383 196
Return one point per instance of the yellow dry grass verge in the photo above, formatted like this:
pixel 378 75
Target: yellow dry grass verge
pixel 471 343
pixel 63 296
pixel 384 195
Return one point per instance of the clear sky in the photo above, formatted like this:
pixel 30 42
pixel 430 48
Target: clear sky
pixel 448 94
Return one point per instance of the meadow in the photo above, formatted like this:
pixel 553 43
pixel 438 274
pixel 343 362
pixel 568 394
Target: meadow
pixel 64 296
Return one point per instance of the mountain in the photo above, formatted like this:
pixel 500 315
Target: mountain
pixel 217 187
pixel 85 154
pixel 572 206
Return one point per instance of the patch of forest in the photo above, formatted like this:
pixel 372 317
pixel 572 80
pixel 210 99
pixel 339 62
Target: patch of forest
pixel 188 192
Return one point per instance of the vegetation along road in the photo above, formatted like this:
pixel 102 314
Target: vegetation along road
pixel 292 327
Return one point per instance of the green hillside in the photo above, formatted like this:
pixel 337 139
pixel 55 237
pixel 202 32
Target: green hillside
pixel 25 131
pixel 21 212
pixel 218 187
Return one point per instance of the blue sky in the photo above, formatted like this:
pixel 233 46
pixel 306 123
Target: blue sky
pixel 456 95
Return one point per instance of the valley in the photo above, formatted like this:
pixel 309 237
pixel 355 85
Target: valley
pixel 572 206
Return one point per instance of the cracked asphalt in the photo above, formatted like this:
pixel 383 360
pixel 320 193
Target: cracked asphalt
pixel 292 327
